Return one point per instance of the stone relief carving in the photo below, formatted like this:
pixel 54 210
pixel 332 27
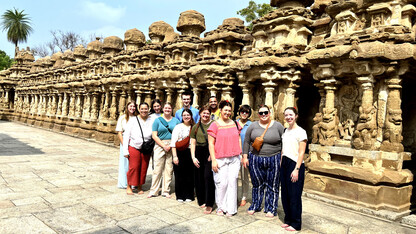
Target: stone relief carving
pixel 329 126
pixel 366 132
pixel 392 137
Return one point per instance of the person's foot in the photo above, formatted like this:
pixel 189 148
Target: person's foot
pixel 251 212
pixel 179 200
pixel 129 191
pixel 208 210
pixel 284 225
pixel 269 214
pixel 140 192
pixel 188 200
pixel 243 202
pixel 202 206
pixel 150 196
pixel 220 213
pixel 290 229
pixel 167 195
pixel 229 215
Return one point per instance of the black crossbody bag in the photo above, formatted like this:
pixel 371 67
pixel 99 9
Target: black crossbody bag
pixel 147 146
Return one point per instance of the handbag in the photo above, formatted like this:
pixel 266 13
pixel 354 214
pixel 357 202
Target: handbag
pixel 258 142
pixel 147 146
pixel 184 143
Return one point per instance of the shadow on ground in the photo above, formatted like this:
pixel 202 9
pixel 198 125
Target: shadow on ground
pixel 10 146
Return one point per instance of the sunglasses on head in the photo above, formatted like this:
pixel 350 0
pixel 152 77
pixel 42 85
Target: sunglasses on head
pixel 263 112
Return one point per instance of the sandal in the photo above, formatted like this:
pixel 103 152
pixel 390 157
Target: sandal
pixel 290 229
pixel 220 213
pixel 269 215
pixel 208 210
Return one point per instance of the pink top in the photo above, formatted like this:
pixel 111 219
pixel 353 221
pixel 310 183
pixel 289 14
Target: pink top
pixel 227 139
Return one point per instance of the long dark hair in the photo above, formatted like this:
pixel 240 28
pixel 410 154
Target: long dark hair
pixel 153 102
pixel 189 112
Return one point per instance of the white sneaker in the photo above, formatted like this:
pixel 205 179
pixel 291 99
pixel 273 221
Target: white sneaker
pixel 188 200
pixel 180 200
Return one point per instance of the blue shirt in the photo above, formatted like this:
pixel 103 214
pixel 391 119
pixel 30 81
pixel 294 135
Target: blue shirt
pixel 244 130
pixel 162 132
pixel 195 114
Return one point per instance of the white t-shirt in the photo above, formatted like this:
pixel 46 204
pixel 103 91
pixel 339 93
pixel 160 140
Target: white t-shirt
pixel 180 132
pixel 132 134
pixel 121 124
pixel 290 142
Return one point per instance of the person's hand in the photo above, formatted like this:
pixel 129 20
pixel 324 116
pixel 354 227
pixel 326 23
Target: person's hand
pixel 166 148
pixel 294 176
pixel 209 158
pixel 175 160
pixel 215 166
pixel 196 162
pixel 244 162
pixel 126 156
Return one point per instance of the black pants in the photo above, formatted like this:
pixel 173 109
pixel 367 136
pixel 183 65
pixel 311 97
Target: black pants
pixel 204 179
pixel 292 193
pixel 184 176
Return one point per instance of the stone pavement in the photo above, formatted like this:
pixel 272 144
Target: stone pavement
pixel 54 183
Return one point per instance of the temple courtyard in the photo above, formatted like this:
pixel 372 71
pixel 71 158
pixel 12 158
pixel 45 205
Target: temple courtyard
pixel 54 183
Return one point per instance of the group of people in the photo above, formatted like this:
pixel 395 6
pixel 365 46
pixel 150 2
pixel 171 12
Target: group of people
pixel 206 150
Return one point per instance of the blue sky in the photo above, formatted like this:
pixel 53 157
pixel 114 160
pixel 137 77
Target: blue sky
pixel 111 18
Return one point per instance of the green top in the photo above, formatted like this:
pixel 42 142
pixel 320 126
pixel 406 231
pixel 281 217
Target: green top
pixel 200 138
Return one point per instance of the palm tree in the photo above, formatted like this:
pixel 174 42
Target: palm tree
pixel 17 25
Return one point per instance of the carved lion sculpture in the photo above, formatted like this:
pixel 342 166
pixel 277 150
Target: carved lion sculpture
pixel 316 134
pixel 392 137
pixel 366 132
pixel 329 126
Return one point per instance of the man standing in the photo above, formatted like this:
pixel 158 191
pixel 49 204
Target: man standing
pixel 186 104
pixel 213 108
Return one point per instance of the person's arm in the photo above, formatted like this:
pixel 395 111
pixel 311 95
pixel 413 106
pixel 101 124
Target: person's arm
pixel 193 149
pixel 120 137
pixel 174 139
pixel 214 163
pixel 246 146
pixel 126 137
pixel 295 174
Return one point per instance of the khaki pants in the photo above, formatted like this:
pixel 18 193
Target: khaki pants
pixel 163 167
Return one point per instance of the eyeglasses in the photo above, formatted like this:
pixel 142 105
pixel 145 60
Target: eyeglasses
pixel 244 112
pixel 263 112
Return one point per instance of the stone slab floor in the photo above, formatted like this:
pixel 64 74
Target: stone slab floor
pixel 54 183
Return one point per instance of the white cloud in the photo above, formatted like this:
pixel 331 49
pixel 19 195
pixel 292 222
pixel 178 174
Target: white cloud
pixel 102 11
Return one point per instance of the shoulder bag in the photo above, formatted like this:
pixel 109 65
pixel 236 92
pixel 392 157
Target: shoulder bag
pixel 184 143
pixel 258 142
pixel 147 146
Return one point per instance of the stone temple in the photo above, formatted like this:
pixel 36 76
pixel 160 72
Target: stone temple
pixel 347 65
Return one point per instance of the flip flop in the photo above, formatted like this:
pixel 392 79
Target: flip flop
pixel 290 229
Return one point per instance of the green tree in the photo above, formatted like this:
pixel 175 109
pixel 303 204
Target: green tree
pixel 5 60
pixel 254 11
pixel 17 25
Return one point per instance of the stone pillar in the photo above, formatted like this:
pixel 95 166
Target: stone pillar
pixel 159 94
pixel 392 132
pixel 148 98
pixel 269 88
pixel 290 95
pixel 330 120
pixel 246 94
pixel 169 93
pixel 122 103
pixel 196 91
pixel 35 104
pixel 213 90
pixel 44 103
pixel 178 104
pixel 65 104
pixel 226 95
pixel 78 105
pixel 59 108
pixel 72 105
pixel 365 134
pixel 94 103
pixel 113 108
pixel 138 97
pixel 105 111
pixel 87 106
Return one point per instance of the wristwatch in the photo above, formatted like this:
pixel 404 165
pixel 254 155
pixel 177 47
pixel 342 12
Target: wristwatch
pixel 297 168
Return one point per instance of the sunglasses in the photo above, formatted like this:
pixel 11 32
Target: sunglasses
pixel 244 112
pixel 263 112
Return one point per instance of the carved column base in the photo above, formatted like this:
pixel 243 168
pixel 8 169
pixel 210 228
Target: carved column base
pixel 105 131
pixel 60 123
pixel 72 126
pixel 369 179
pixel 87 128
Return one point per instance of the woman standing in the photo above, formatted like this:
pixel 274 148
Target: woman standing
pixel 225 149
pixel 244 112
pixel 123 164
pixel 162 133
pixel 137 129
pixel 293 171
pixel 264 162
pixel 204 180
pixel 183 166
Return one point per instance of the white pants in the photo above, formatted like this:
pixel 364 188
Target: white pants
pixel 163 166
pixel 226 184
